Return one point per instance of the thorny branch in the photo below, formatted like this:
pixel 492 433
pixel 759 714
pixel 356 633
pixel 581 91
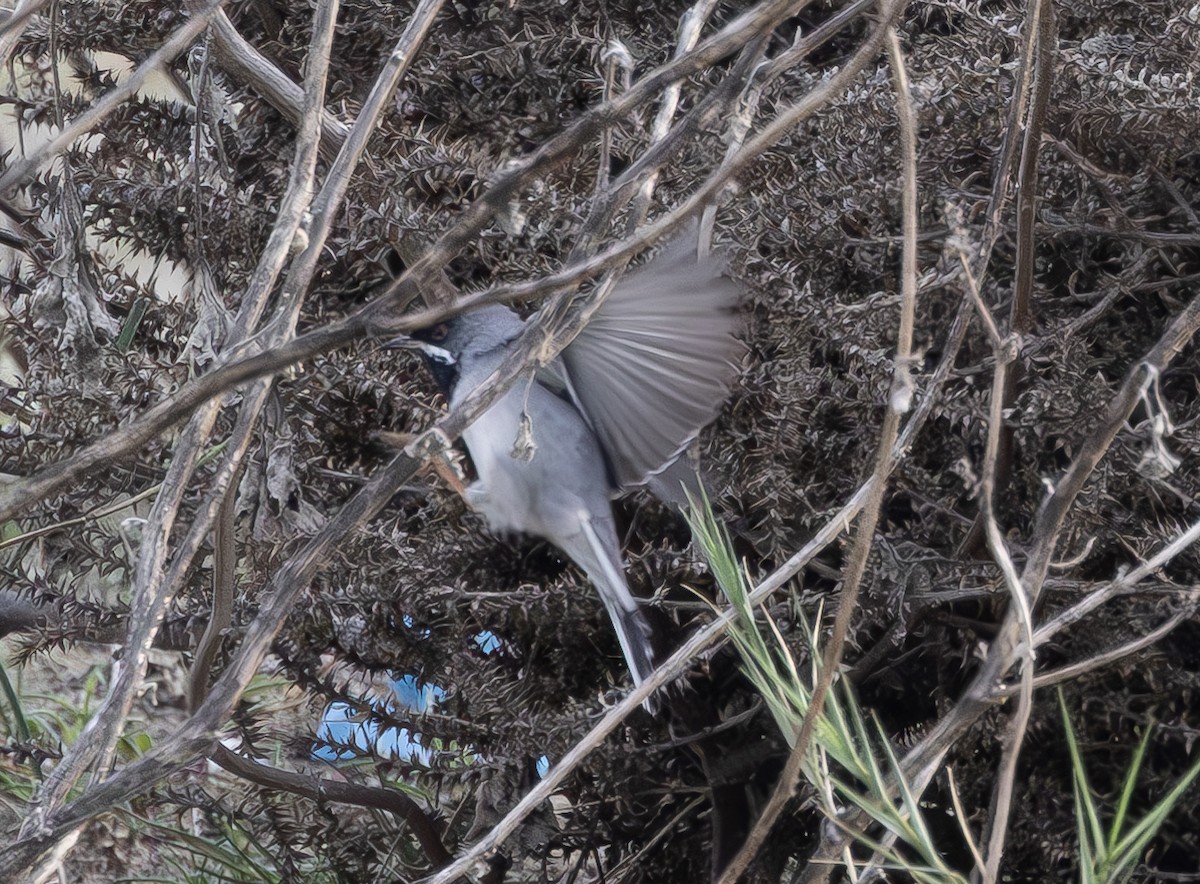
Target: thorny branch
pixel 155 585
pixel 1017 637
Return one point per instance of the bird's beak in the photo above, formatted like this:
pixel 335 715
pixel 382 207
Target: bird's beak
pixel 434 352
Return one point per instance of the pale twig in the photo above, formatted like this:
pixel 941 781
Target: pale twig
pixel 998 455
pixel 963 825
pixel 1074 670
pixel 899 401
pixel 615 58
pixel 238 58
pixel 804 45
pixel 1122 585
pixel 1003 791
pixel 706 112
pixel 689 33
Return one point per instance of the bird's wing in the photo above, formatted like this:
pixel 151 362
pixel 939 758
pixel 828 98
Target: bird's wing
pixel 656 361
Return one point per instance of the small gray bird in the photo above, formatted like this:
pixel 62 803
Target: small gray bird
pixel 616 410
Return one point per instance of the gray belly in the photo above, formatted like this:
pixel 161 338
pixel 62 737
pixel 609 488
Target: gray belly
pixel 565 474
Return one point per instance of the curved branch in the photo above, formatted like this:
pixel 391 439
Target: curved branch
pixel 320 790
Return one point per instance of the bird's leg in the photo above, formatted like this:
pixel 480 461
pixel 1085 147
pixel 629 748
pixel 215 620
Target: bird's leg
pixel 445 468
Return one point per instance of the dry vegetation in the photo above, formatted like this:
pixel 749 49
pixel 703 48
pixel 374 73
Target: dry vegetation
pixel 193 468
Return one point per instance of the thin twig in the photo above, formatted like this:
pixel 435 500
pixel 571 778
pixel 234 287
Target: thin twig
pixel 1005 353
pixel 320 789
pixel 1123 584
pixel 242 61
pixel 615 58
pixel 224 579
pixel 963 825
pixel 1074 670
pixel 899 401
pixel 1042 24
pixel 689 33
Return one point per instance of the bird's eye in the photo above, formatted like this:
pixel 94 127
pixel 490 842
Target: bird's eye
pixel 438 333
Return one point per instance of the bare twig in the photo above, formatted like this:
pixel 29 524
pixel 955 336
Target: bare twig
pixel 1005 353
pixel 616 58
pixel 223 583
pixel 963 825
pixel 1074 670
pixel 241 60
pixel 321 790
pixel 689 33
pixel 899 402
pixel 1122 585
pixel 1042 25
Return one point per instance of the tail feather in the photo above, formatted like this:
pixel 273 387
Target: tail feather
pixel 602 563
pixel 633 632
